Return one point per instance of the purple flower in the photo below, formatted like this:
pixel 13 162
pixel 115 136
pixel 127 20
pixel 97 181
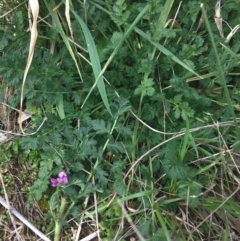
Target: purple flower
pixel 54 182
pixel 62 178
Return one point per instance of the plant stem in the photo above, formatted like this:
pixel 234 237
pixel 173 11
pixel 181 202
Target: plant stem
pixel 58 225
pixel 57 231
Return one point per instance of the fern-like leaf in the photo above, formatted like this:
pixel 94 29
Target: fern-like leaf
pixel 101 127
pixel 121 13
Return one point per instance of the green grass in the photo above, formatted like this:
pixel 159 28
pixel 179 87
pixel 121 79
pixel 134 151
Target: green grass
pixel 138 102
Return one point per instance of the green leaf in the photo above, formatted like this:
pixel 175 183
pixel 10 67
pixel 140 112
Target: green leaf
pixel 76 166
pixel 94 61
pixel 45 168
pixel 175 169
pixel 177 112
pixel 118 166
pixel 101 176
pixel 122 105
pixel 3 42
pixel 55 138
pixel 145 88
pixel 38 188
pixel 60 107
pixel 30 142
pixel 79 183
pixel 121 13
pixel 57 160
pixel 54 201
pixel 101 127
pixel 124 130
pixel 116 39
pixel 187 111
pixel 146 66
pixel 70 191
pixel 116 147
pixel 119 186
pixel 145 228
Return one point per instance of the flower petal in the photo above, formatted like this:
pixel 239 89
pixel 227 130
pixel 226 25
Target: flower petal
pixel 65 179
pixel 62 174
pixel 59 180
pixel 62 180
pixel 54 182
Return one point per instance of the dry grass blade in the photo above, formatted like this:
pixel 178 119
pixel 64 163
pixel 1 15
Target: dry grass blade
pixel 233 31
pixel 218 18
pixel 67 14
pixel 34 6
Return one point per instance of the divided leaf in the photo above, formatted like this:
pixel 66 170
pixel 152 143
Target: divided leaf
pixel 101 127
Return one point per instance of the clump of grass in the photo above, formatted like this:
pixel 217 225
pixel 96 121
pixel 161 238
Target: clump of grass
pixel 152 152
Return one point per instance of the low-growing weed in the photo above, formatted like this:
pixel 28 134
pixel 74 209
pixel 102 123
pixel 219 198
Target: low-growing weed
pixel 134 117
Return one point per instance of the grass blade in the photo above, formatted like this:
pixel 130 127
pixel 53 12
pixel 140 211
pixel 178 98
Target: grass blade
pixel 127 33
pixel 165 51
pixel 95 61
pixel 164 227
